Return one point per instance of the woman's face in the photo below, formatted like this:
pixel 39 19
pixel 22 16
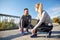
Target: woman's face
pixel 40 7
pixel 37 7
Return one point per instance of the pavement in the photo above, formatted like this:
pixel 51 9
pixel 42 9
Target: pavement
pixel 15 35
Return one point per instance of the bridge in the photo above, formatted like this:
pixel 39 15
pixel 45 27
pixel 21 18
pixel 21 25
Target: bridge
pixel 8 17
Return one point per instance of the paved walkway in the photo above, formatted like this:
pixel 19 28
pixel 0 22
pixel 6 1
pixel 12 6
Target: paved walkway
pixel 15 35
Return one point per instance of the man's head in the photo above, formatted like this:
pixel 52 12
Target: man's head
pixel 39 7
pixel 26 11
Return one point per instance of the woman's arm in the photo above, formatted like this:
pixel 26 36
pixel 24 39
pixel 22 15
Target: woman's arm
pixel 42 19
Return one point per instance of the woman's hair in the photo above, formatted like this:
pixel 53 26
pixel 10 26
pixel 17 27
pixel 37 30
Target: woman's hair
pixel 37 5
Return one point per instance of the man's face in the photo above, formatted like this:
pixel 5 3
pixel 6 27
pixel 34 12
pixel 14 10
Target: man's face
pixel 26 12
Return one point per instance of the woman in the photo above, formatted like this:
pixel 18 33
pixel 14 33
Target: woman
pixel 44 23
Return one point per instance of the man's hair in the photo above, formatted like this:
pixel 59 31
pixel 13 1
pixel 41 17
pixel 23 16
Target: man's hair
pixel 25 9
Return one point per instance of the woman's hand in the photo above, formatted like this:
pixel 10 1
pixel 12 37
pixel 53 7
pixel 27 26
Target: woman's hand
pixel 33 30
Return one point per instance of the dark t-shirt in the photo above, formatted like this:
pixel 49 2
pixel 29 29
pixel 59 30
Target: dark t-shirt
pixel 25 20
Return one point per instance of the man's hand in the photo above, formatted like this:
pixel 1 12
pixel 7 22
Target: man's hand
pixel 19 29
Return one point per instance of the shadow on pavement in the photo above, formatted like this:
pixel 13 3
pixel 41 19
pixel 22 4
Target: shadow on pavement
pixel 53 32
pixel 10 37
pixel 55 36
pixel 18 35
pixel 52 36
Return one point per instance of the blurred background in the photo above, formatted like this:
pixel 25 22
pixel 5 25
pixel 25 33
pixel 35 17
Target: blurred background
pixel 12 10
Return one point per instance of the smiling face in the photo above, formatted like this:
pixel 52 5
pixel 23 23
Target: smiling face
pixel 26 11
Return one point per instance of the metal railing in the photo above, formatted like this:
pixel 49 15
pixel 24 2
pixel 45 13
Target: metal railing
pixel 9 21
pixel 5 17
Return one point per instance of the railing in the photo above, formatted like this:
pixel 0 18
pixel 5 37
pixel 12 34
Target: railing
pixel 8 21
pixel 4 17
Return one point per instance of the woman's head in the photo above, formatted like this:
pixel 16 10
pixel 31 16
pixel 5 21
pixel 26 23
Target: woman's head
pixel 39 7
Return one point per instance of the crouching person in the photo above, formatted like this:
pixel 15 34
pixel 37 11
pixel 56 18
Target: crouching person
pixel 25 21
pixel 44 21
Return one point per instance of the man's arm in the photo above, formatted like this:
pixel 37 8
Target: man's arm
pixel 29 19
pixel 21 20
pixel 41 20
pixel 19 25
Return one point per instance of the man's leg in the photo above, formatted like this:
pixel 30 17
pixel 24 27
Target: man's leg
pixel 22 27
pixel 27 27
pixel 22 31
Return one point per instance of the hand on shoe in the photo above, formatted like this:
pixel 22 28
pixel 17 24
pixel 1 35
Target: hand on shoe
pixel 33 31
pixel 19 29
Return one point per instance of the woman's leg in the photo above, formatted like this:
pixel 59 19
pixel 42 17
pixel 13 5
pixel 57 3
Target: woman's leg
pixel 50 31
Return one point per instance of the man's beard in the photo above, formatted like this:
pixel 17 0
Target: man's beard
pixel 26 14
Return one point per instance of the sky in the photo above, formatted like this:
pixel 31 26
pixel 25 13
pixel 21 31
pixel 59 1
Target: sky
pixel 16 7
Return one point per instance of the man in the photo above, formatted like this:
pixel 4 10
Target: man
pixel 25 21
pixel 44 21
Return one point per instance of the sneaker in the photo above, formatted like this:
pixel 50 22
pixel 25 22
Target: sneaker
pixel 22 33
pixel 49 34
pixel 33 36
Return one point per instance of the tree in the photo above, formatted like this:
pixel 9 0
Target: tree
pixel 0 25
pixel 56 20
pixel 7 25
